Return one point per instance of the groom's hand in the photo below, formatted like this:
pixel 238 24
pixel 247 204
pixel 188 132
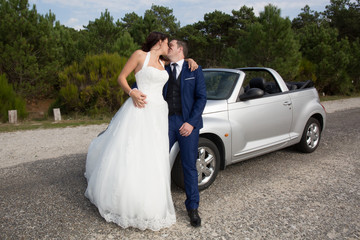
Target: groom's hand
pixel 186 129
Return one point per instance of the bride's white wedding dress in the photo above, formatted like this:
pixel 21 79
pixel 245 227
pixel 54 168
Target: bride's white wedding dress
pixel 127 167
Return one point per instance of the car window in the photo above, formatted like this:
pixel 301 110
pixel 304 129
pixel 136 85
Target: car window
pixel 219 85
pixel 270 86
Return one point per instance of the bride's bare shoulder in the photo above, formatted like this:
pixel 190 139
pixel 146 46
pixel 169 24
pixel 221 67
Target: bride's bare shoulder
pixel 138 56
pixel 139 53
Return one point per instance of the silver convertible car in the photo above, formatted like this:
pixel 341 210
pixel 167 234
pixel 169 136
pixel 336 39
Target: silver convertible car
pixel 250 112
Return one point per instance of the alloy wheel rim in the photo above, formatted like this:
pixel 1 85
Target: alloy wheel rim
pixel 205 165
pixel 312 135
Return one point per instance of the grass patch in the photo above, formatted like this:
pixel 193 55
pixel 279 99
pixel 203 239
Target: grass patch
pixel 69 121
pixel 330 98
pixel 76 120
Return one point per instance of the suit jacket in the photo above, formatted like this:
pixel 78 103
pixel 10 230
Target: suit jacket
pixel 193 94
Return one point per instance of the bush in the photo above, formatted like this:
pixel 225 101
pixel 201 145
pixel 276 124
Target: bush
pixel 9 100
pixel 91 86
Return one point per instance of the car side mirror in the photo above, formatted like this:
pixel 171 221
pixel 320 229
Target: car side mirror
pixel 252 93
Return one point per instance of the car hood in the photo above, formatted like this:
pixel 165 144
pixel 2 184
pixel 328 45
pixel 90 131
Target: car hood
pixel 215 106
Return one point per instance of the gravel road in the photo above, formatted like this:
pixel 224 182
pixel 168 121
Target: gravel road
pixel 282 195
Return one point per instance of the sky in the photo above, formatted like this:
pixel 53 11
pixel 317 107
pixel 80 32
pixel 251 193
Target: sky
pixel 77 13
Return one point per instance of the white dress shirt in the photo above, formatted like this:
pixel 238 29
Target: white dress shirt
pixel 178 67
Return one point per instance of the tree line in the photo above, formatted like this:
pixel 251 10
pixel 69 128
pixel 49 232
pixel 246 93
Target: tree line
pixel 42 58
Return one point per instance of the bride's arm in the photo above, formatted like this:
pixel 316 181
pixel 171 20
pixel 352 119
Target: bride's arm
pixel 133 64
pixel 192 64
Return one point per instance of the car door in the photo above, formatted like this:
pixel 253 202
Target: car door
pixel 259 125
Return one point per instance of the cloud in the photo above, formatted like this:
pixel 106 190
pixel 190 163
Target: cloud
pixel 191 5
pixel 111 5
pixel 74 23
pixel 185 11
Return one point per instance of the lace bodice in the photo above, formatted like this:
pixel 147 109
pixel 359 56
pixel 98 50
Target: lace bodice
pixel 151 81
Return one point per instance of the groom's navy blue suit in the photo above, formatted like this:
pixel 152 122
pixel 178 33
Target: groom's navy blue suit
pixel 193 100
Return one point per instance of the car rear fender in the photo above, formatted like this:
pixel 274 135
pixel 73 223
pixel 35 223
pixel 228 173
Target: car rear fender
pixel 306 104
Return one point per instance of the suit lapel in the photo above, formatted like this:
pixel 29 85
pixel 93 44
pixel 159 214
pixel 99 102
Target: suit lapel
pixel 183 73
pixel 168 69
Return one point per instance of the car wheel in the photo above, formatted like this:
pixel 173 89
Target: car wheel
pixel 311 136
pixel 207 164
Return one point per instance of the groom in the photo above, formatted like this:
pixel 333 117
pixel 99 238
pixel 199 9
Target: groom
pixel 185 93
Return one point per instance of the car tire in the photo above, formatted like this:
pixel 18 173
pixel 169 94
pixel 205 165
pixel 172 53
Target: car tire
pixel 311 136
pixel 207 164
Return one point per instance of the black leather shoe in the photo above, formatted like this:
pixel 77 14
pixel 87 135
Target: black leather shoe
pixel 195 219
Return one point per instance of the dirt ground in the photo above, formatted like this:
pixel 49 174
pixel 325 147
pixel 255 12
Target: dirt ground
pixel 38 108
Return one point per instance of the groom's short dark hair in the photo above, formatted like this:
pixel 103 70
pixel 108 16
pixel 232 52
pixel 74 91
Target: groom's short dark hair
pixel 183 45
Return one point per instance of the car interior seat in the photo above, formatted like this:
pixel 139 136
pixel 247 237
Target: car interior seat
pixel 291 86
pixel 258 82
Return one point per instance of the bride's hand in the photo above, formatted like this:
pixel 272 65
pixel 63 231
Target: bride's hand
pixel 192 64
pixel 138 98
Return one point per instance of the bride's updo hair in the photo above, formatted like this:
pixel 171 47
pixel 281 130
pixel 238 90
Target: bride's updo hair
pixel 152 39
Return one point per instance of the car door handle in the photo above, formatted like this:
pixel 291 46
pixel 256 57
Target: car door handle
pixel 287 103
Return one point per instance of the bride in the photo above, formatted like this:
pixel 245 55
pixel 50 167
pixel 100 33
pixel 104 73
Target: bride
pixel 127 167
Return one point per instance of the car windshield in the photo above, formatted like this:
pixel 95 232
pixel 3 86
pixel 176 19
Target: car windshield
pixel 219 85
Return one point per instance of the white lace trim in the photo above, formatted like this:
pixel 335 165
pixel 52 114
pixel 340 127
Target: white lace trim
pixel 154 224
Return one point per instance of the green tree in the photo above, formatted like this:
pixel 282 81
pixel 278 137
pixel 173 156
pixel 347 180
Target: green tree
pixel 196 42
pixel 158 18
pixel 270 43
pixel 161 19
pixel 134 24
pixel 125 45
pixel 29 52
pixel 71 42
pixel 102 33
pixel 354 65
pixel 320 46
pixel 215 29
pixel 210 39
pixel 9 100
pixel 345 16
pixel 91 86
pixel 243 18
pixel 306 17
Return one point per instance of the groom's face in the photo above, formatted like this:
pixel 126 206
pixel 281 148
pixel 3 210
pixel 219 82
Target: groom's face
pixel 174 50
